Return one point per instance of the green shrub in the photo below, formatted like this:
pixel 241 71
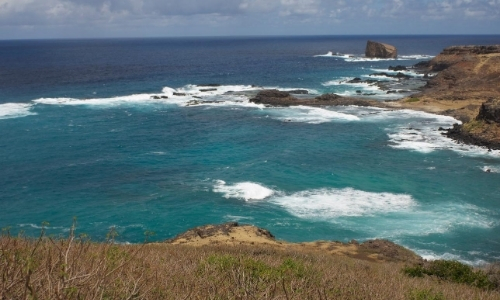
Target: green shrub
pixel 425 295
pixel 453 271
pixel 413 100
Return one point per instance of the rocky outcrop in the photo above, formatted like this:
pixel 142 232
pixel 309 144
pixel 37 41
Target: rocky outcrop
pixel 490 111
pixel 281 98
pixel 380 50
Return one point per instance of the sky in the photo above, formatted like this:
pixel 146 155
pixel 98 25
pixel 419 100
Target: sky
pixel 28 19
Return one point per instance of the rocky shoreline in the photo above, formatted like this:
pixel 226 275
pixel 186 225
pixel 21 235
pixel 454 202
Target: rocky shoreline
pixel 466 86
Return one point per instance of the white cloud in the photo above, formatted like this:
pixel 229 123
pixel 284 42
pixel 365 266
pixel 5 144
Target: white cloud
pixel 369 14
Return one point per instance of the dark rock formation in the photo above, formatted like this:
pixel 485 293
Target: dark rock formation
pixel 299 92
pixel 461 135
pixel 274 98
pixel 280 98
pixel 422 65
pixel 399 75
pixel 398 68
pixel 208 90
pixel 179 94
pixel 380 50
pixel 489 111
pixel 159 97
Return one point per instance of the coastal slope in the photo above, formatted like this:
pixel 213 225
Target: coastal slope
pixel 234 234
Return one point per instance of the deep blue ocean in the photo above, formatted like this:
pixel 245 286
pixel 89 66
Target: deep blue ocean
pixel 81 135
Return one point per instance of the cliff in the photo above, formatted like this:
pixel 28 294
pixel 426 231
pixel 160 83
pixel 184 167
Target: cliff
pixel 466 86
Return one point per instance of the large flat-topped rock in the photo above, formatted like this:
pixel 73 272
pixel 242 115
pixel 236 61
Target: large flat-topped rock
pixel 380 50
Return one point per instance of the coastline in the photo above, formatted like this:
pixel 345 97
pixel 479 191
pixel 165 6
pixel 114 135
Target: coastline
pixel 466 86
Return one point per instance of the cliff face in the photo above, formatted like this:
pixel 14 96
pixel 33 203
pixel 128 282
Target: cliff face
pixel 466 86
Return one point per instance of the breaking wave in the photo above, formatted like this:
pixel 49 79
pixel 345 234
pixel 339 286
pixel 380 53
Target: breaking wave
pixel 15 110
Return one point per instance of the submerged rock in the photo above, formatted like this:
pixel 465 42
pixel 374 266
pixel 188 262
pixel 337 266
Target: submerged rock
pixel 398 68
pixel 380 50
pixel 299 92
pixel 159 97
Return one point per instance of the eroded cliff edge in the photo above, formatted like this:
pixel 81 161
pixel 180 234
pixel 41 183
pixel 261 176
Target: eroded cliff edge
pixel 467 87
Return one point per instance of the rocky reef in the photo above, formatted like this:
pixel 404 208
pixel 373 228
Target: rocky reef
pixel 282 98
pixel 380 50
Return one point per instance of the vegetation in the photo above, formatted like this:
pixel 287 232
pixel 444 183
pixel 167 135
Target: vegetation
pixel 474 126
pixel 410 100
pixel 77 268
pixel 454 271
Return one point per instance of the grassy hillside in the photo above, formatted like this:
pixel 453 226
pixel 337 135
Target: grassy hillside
pixel 76 268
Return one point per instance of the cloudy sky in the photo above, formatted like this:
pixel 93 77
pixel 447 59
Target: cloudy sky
pixel 159 18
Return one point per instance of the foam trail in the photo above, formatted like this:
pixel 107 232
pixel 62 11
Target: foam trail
pixel 310 115
pixel 328 204
pixel 113 101
pixel 243 190
pixel 15 110
pixel 431 255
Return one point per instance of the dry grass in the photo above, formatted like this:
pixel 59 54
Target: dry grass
pixel 75 268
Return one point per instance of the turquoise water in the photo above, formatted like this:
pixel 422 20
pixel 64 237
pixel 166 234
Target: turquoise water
pixel 81 141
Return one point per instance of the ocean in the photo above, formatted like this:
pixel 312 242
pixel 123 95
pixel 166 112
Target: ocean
pixel 159 135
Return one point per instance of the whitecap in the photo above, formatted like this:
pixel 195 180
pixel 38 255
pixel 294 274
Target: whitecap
pixel 15 110
pixel 113 101
pixel 328 204
pixel 310 115
pixel 243 190
pixel 491 169
pixel 431 255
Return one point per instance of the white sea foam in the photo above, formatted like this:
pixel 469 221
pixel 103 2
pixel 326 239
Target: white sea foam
pixel 400 57
pixel 113 101
pixel 310 115
pixel 336 55
pixel 423 134
pixel 352 88
pixel 491 169
pixel 243 190
pixel 237 218
pixel 409 72
pixel 417 130
pixel 15 110
pixel 35 226
pixel 328 204
pixel 360 58
pixel 186 96
pixel 431 255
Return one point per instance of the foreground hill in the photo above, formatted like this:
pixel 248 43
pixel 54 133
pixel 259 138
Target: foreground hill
pixel 225 262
